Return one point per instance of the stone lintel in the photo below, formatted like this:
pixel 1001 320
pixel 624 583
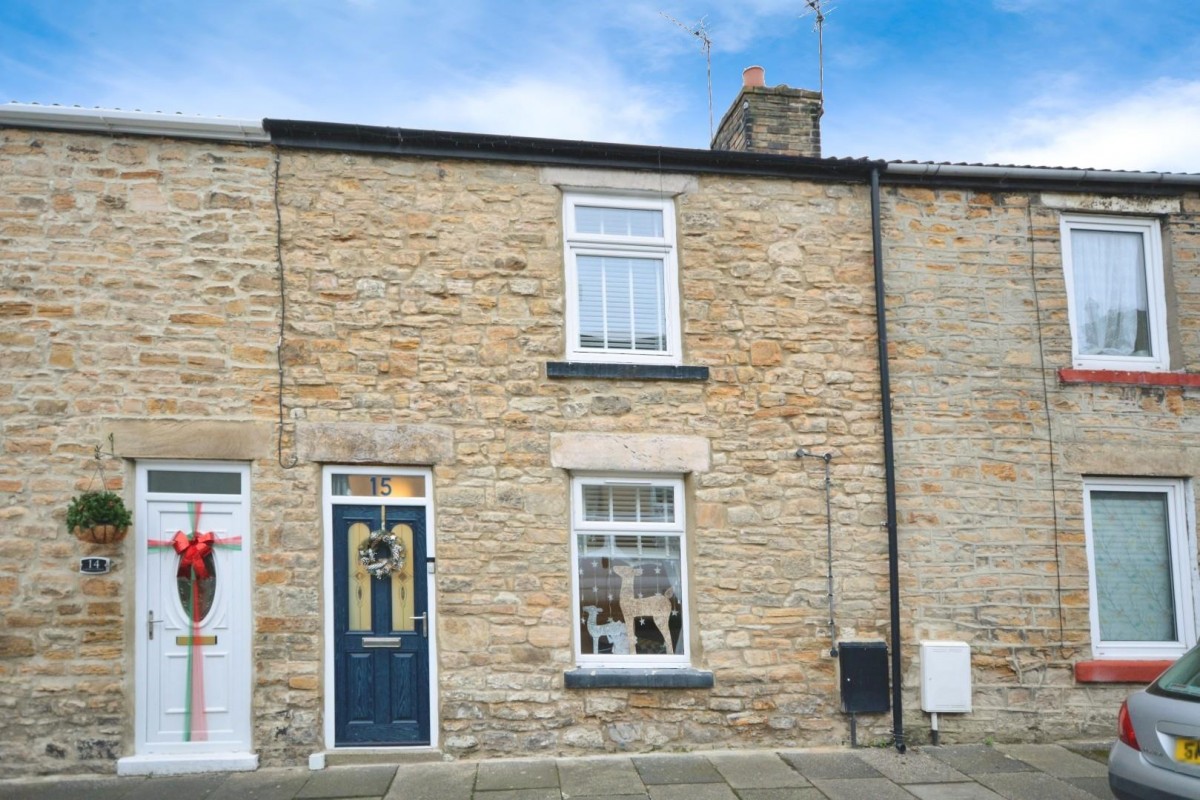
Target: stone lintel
pixel 1160 460
pixel 580 179
pixel 231 440
pixel 1126 204
pixel 367 443
pixel 621 452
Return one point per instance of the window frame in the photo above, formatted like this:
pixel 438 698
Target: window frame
pixel 1181 538
pixel 576 244
pixel 677 529
pixel 1151 232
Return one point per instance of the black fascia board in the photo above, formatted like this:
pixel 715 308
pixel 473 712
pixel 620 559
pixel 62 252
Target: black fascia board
pixel 558 152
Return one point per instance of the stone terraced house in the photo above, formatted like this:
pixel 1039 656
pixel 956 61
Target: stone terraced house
pixel 481 445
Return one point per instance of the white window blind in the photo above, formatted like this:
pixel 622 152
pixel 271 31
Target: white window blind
pixel 1142 566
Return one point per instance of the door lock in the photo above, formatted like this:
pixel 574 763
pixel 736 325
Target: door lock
pixel 150 623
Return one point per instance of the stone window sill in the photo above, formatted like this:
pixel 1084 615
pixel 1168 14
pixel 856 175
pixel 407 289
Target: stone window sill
pixel 1119 670
pixel 584 678
pixel 1129 378
pixel 637 372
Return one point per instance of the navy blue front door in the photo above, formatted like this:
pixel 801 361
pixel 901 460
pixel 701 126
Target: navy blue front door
pixel 381 646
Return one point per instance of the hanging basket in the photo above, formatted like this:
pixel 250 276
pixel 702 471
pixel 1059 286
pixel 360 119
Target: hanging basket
pixel 98 517
pixel 100 534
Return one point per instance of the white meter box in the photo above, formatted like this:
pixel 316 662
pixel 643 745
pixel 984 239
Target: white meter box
pixel 945 677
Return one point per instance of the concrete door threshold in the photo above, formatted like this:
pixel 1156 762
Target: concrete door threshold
pixel 364 756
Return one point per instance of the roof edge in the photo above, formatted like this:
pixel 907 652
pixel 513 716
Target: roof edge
pixel 899 171
pixel 100 120
pixel 522 149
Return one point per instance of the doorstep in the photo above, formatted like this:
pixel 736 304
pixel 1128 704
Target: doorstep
pixel 187 764
pixel 367 756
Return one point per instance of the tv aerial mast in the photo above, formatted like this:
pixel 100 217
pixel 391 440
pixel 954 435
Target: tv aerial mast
pixel 700 31
pixel 819 13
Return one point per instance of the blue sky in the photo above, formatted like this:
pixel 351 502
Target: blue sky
pixel 1111 84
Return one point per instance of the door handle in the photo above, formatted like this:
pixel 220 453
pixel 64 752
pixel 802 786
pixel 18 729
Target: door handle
pixel 424 623
pixel 150 623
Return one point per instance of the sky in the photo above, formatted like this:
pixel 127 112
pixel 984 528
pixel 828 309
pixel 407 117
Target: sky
pixel 1106 84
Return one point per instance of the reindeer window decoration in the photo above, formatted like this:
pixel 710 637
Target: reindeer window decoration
pixel 629 572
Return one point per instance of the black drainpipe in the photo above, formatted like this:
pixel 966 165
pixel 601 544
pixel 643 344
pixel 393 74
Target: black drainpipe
pixel 889 464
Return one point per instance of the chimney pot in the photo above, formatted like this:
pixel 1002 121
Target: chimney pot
pixel 754 76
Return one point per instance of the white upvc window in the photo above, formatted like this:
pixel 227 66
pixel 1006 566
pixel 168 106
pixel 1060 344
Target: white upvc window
pixel 621 279
pixel 1116 294
pixel 1141 547
pixel 629 576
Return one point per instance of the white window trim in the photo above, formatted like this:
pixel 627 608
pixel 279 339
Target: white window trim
pixel 679 528
pixel 589 244
pixel 1184 575
pixel 1151 233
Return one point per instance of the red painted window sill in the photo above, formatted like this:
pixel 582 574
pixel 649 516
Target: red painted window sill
pixel 1068 375
pixel 1114 671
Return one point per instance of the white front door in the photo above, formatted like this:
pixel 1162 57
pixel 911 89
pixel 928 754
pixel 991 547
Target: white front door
pixel 193 609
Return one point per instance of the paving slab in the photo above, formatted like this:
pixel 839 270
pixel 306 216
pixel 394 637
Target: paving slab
pixel 265 784
pixel 953 791
pixel 683 769
pixel 1032 786
pixel 175 787
pixel 829 766
pixel 1055 760
pixel 501 775
pixel 977 759
pixel 692 791
pixel 756 770
pixel 91 788
pixel 782 793
pixel 1097 787
pixel 344 782
pixel 914 766
pixel 862 789
pixel 582 777
pixel 520 794
pixel 434 781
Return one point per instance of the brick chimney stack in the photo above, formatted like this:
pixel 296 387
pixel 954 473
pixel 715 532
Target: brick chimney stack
pixel 771 119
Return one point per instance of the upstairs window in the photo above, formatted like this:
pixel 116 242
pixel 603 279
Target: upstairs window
pixel 1142 564
pixel 1115 293
pixel 622 280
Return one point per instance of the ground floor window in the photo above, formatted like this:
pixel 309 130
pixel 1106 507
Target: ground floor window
pixel 630 570
pixel 1142 562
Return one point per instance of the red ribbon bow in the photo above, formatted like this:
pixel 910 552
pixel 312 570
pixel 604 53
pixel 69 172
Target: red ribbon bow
pixel 192 552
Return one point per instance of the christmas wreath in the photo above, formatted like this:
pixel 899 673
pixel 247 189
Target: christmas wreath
pixel 369 554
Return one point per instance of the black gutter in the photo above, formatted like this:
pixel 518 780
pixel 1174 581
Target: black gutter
pixel 558 152
pixel 889 464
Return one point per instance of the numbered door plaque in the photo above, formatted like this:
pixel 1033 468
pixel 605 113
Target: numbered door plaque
pixel 94 565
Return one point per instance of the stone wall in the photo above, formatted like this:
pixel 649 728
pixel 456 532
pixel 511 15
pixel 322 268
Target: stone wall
pixel 137 282
pixel 141 299
pixel 991 447
pixel 432 292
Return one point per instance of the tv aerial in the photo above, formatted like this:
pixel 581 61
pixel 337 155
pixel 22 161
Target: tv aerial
pixel 700 31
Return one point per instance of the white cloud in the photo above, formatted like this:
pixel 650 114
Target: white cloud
pixel 1153 129
pixel 560 107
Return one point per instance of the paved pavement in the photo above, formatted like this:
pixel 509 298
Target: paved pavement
pixel 957 772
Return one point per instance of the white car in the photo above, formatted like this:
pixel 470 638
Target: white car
pixel 1157 754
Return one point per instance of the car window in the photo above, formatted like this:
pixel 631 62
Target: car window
pixel 1183 678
